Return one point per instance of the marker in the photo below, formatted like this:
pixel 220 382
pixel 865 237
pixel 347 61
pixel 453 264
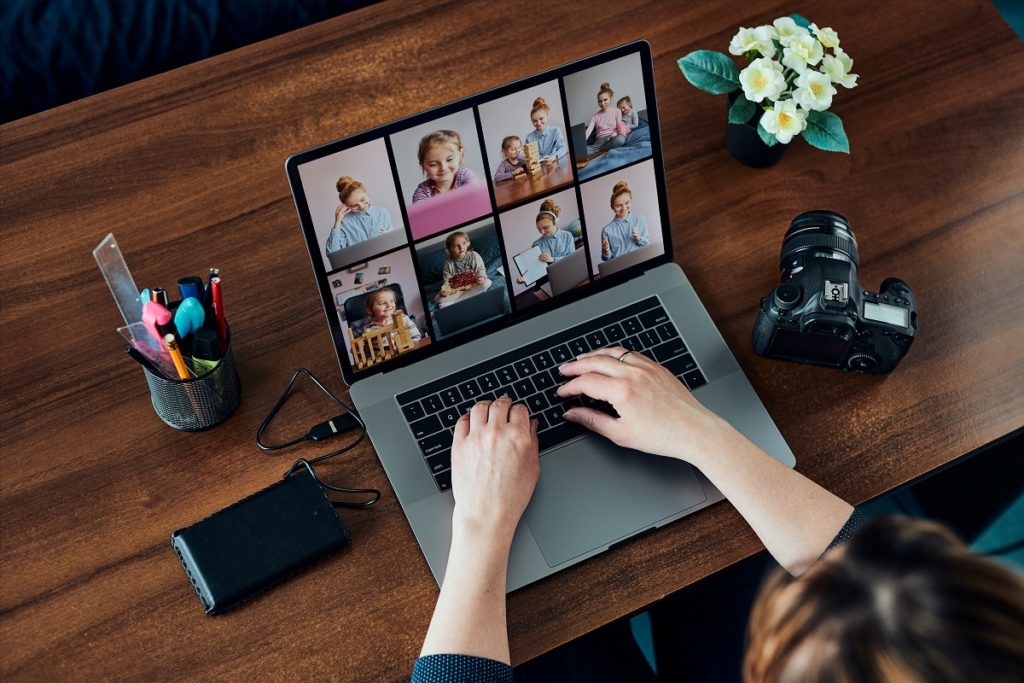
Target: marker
pixel 155 317
pixel 142 360
pixel 206 349
pixel 218 310
pixel 160 295
pixel 179 362
pixel 208 295
pixel 191 286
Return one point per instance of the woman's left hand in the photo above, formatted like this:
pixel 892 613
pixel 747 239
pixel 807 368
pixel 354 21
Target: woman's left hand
pixel 636 235
pixel 546 257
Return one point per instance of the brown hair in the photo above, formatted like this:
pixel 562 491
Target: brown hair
pixel 606 88
pixel 625 99
pixel 372 297
pixel 450 240
pixel 904 600
pixel 540 104
pixel 549 209
pixel 438 137
pixel 621 187
pixel 507 142
pixel 347 185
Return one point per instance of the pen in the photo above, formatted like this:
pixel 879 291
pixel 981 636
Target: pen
pixel 208 294
pixel 179 362
pixel 142 360
pixel 218 309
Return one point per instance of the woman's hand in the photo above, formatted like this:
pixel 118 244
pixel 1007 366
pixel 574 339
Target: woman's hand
pixel 606 247
pixel 340 213
pixel 636 235
pixel 495 466
pixel 545 257
pixel 657 414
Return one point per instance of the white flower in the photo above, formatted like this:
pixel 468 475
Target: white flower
pixel 762 79
pixel 814 90
pixel 838 68
pixel 786 28
pixel 802 51
pixel 827 36
pixel 784 121
pixel 753 40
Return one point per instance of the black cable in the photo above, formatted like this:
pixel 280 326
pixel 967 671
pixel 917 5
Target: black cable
pixel 335 425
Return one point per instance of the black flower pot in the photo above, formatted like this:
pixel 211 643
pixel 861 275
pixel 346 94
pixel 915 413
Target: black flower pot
pixel 745 145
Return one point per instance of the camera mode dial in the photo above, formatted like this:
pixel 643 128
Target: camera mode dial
pixel 862 362
pixel 787 295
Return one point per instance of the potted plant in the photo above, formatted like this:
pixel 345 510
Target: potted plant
pixel 784 91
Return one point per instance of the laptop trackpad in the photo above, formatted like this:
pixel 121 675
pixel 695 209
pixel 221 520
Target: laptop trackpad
pixel 592 493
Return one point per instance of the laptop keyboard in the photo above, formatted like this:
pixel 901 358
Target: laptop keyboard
pixel 529 375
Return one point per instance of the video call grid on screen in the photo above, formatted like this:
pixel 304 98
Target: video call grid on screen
pixel 391 214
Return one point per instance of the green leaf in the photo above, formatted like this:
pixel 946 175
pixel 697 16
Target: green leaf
pixel 710 71
pixel 766 137
pixel 800 21
pixel 742 110
pixel 825 131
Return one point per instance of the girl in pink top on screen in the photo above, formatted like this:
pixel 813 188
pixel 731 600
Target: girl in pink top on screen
pixel 440 155
pixel 606 122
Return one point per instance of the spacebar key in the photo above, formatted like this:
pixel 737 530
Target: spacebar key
pixel 558 434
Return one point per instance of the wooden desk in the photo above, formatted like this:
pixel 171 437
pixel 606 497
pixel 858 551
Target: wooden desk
pixel 186 169
pixel 551 177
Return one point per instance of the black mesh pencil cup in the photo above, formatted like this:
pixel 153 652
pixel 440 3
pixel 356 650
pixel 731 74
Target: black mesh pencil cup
pixel 199 403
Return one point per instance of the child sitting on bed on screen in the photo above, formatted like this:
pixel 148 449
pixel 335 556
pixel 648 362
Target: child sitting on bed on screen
pixel 461 259
pixel 629 117
pixel 381 307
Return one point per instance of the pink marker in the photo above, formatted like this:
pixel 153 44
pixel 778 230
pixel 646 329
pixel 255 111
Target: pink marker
pixel 154 316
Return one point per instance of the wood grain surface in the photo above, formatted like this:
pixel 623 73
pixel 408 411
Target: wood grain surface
pixel 187 170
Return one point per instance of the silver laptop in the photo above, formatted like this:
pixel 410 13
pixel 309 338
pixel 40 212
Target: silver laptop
pixel 567 273
pixel 592 495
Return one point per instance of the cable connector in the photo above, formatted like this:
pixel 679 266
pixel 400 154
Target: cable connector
pixel 336 425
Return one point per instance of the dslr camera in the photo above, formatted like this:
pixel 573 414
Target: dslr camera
pixel 820 315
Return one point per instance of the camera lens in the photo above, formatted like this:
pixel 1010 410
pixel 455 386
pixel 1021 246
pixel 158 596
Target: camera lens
pixel 819 231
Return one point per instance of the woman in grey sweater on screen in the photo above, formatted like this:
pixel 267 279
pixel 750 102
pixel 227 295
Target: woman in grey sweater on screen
pixel 854 600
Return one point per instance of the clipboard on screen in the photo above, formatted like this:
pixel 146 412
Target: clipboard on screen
pixel 531 268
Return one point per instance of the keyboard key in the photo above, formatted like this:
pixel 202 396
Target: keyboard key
pixel 524 367
pixel 413 411
pixel 632 325
pixel 615 333
pixel 669 349
pixel 542 422
pixel 597 339
pixel 543 361
pixel 542 380
pixel 433 403
pixel 444 480
pixel 523 387
pixel 559 434
pixel 449 416
pixel 465 407
pixel 488 382
pixel 694 379
pixel 578 346
pixel 426 426
pixel 633 344
pixel 680 365
pixel 536 403
pixel 439 462
pixel 554 415
pixel 451 397
pixel 649 338
pixel 654 317
pixel 470 389
pixel 506 375
pixel 436 443
pixel 667 331
pixel 561 354
pixel 649 354
pixel 485 397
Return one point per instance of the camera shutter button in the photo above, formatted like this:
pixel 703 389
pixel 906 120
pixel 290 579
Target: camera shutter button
pixel 786 296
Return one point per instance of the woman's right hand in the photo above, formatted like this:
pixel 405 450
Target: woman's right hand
pixel 606 247
pixel 657 414
pixel 340 213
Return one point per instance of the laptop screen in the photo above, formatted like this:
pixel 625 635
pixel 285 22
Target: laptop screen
pixel 438 229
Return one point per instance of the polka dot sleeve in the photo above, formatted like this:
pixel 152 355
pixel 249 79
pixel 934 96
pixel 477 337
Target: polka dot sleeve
pixel 856 521
pixel 446 668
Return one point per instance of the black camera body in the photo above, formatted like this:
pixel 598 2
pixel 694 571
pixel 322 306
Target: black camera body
pixel 820 315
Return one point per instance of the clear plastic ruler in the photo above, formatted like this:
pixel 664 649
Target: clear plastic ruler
pixel 119 279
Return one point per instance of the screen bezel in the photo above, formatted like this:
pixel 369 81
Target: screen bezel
pixel 641 47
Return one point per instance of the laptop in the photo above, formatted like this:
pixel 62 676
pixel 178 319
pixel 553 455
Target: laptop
pixel 361 251
pixel 592 495
pixel 566 273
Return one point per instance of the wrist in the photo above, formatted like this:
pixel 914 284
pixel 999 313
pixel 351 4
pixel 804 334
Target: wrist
pixel 482 532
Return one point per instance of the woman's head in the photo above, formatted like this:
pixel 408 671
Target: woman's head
pixel 904 600
pixel 604 96
pixel 352 194
pixel 511 147
pixel 440 154
pixel 457 244
pixel 625 104
pixel 539 114
pixel 381 303
pixel 547 218
pixel 622 199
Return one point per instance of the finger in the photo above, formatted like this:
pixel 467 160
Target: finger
pixel 461 428
pixel 593 385
pixel 628 356
pixel 499 409
pixel 594 420
pixel 519 416
pixel 606 351
pixel 478 414
pixel 601 365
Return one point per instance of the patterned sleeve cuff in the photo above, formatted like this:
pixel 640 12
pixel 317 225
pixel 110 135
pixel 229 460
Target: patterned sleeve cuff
pixel 445 668
pixel 852 526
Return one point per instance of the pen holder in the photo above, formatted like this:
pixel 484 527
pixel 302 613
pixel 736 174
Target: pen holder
pixel 199 403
